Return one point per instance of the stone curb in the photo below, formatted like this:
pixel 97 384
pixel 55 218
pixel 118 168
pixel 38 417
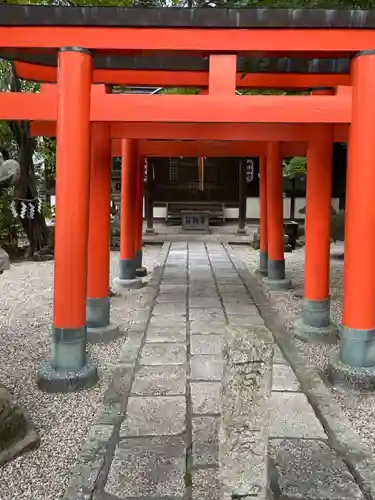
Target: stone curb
pixel 341 436
pixel 93 462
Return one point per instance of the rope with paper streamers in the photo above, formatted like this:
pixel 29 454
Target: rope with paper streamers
pixel 26 208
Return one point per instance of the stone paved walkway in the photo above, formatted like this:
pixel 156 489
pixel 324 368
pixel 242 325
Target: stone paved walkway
pixel 157 436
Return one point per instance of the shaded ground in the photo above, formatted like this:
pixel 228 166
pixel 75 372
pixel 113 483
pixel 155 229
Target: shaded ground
pixel 359 408
pixel 62 420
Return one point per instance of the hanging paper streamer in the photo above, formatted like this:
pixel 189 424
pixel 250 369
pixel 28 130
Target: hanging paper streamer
pixel 24 208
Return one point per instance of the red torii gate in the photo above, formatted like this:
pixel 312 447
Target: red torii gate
pixel 77 104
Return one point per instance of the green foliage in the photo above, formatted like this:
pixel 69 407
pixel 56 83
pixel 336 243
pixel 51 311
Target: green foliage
pixel 294 167
pixel 9 227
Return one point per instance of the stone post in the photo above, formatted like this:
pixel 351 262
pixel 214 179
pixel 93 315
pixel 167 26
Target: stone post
pixel 243 437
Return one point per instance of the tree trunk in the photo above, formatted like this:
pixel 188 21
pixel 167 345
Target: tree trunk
pixel 26 190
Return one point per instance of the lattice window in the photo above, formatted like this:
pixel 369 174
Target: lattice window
pixel 173 170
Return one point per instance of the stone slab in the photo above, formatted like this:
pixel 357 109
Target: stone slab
pixel 163 354
pixel 161 321
pixel 310 470
pixel 204 302
pixel 159 381
pixel 283 379
pixel 166 334
pixel 292 416
pixel 148 468
pixel 206 344
pixel 278 358
pixel 206 367
pixel 205 484
pixel 241 308
pixel 205 432
pixel 170 309
pixel 206 314
pixel 255 320
pixel 202 328
pixel 234 298
pixel 203 293
pixel 205 397
pixel 154 416
pixel 171 297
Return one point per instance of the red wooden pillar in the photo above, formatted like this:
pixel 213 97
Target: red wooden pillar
pixel 275 218
pixel 263 264
pixel 140 269
pixel 70 368
pixel 99 328
pixel 315 323
pixel 127 273
pixel 356 363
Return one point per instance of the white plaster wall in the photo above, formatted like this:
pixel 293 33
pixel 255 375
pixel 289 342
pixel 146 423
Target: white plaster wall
pixel 252 209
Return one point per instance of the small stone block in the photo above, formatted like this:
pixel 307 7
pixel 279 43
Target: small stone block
pixel 206 367
pixel 310 470
pixel 159 381
pixel 154 416
pixel 205 397
pixel 205 440
pixel 206 344
pixel 283 379
pixel 292 416
pixel 206 484
pixel 148 468
pixel 166 334
pixel 52 381
pixel 163 354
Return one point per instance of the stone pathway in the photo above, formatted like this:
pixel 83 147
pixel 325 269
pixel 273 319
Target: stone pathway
pixel 157 436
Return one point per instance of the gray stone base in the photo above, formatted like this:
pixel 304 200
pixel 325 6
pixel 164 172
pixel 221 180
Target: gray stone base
pixel 317 334
pixel 127 269
pixel 53 381
pixel 103 334
pixel 282 284
pixel 351 377
pixel 135 283
pixel 141 272
pixel 241 231
pixel 150 230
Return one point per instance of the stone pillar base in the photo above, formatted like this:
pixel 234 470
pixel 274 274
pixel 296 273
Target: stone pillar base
pixel 150 230
pixel 315 334
pixel 241 231
pixel 127 269
pixel 263 264
pixel 278 285
pixel 52 381
pixel 134 283
pixel 351 377
pixel 103 334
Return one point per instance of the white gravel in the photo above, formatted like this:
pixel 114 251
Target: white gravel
pixel 359 408
pixel 62 420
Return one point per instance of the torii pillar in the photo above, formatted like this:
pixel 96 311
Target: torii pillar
pixel 276 279
pixel 128 216
pixel 355 365
pixel 263 254
pixel 141 271
pixel 69 368
pixel 315 324
pixel 99 327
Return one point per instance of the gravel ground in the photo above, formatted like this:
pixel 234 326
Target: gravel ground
pixel 360 408
pixel 62 420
